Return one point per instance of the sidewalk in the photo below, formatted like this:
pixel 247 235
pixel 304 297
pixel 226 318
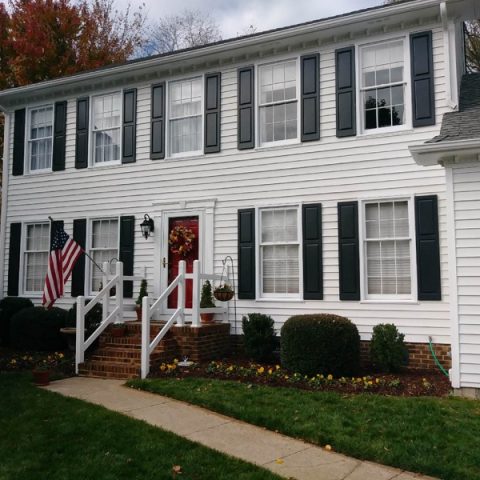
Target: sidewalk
pixel 282 455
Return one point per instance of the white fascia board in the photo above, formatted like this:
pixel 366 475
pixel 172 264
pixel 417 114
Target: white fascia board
pixel 242 44
pixel 429 154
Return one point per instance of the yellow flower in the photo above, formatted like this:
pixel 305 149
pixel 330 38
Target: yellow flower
pixel 261 370
pixel 330 377
pixel 286 377
pixel 13 361
pixel 270 371
pixel 230 368
pixel 277 367
pixel 162 367
pixel 61 355
pixel 175 360
pixel 370 382
pixel 377 380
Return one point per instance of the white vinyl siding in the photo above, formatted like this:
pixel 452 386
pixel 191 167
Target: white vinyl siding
pixel 387 249
pixel 40 138
pixel 382 88
pixel 278 102
pixel 106 128
pixel 35 256
pixel 104 237
pixel 279 252
pixel 185 116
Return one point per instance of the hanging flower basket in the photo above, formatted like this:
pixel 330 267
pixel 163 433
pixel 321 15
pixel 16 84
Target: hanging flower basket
pixel 181 240
pixel 223 293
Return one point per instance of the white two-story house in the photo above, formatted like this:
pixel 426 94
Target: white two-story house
pixel 287 150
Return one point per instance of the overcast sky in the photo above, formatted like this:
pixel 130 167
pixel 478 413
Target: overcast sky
pixel 235 16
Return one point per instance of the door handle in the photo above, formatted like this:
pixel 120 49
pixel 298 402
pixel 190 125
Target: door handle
pixel 164 262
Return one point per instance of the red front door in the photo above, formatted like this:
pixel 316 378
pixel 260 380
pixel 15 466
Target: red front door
pixel 190 226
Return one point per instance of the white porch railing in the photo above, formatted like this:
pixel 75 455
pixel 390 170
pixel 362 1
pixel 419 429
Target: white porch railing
pixel 108 317
pixel 178 315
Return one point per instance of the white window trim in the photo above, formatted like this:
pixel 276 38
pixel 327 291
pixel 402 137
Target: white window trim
pixel 194 153
pixel 364 297
pixel 408 125
pixel 89 266
pixel 27 164
pixel 259 295
pixel 279 143
pixel 91 145
pixel 22 266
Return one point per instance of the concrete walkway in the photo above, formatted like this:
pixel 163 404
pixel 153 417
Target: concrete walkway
pixel 283 455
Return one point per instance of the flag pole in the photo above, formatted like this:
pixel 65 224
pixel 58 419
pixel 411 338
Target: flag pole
pixel 85 253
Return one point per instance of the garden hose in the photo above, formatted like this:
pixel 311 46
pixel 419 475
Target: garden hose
pixel 439 365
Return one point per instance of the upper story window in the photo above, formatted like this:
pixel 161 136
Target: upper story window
pixel 278 102
pixel 40 138
pixel 104 239
pixel 382 84
pixel 185 116
pixel 388 241
pixel 35 256
pixel 280 252
pixel 106 128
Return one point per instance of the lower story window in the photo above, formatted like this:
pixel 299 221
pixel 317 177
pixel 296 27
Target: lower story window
pixel 279 252
pixel 103 248
pixel 387 249
pixel 36 251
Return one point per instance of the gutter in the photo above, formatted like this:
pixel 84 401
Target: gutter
pixel 229 45
pixel 429 154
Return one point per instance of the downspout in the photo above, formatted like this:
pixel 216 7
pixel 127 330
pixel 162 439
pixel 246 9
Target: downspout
pixel 3 217
pixel 448 55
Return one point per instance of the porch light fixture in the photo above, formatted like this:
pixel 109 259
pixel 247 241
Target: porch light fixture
pixel 147 226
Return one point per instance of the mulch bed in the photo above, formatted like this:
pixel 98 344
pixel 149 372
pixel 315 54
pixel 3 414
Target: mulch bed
pixel 406 383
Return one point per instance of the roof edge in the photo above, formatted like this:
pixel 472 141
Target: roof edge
pixel 428 154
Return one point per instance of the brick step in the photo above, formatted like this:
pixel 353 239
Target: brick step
pixel 133 357
pixel 101 368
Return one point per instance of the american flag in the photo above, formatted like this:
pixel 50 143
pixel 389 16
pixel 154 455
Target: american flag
pixel 63 255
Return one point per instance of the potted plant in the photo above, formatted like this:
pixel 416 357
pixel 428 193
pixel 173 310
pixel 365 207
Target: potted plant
pixel 118 330
pixel 138 304
pixel 41 373
pixel 224 292
pixel 206 301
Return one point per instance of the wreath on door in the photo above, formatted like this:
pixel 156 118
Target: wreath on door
pixel 181 240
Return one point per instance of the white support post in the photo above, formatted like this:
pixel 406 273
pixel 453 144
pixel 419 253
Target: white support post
pixel 196 294
pixel 226 314
pixel 106 298
pixel 145 359
pixel 80 338
pixel 182 269
pixel 119 291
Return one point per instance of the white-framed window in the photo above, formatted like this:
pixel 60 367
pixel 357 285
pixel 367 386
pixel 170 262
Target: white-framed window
pixel 278 102
pixel 383 85
pixel 35 256
pixel 387 239
pixel 106 131
pixel 40 138
pixel 185 116
pixel 103 247
pixel 279 245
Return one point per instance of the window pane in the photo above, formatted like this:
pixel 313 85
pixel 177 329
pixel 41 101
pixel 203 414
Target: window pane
pixel 280 269
pixel 40 140
pixel 37 246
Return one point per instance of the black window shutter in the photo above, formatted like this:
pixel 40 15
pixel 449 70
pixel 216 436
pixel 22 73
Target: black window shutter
pixel 157 149
pixel 246 108
pixel 212 112
pixel 312 252
pixel 54 227
pixel 78 273
pixel 129 125
pixel 345 91
pixel 59 136
pixel 18 142
pixel 127 241
pixel 423 94
pixel 348 251
pixel 246 253
pixel 428 248
pixel 14 258
pixel 310 97
pixel 81 146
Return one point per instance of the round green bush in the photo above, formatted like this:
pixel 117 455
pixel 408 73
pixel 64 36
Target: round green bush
pixel 9 306
pixel 388 351
pixel 320 343
pixel 258 336
pixel 36 328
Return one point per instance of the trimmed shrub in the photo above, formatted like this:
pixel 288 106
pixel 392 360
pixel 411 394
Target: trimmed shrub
pixel 92 319
pixel 36 328
pixel 320 343
pixel 259 336
pixel 9 306
pixel 388 351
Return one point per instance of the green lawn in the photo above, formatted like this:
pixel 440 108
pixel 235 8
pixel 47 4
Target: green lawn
pixel 46 436
pixel 434 436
